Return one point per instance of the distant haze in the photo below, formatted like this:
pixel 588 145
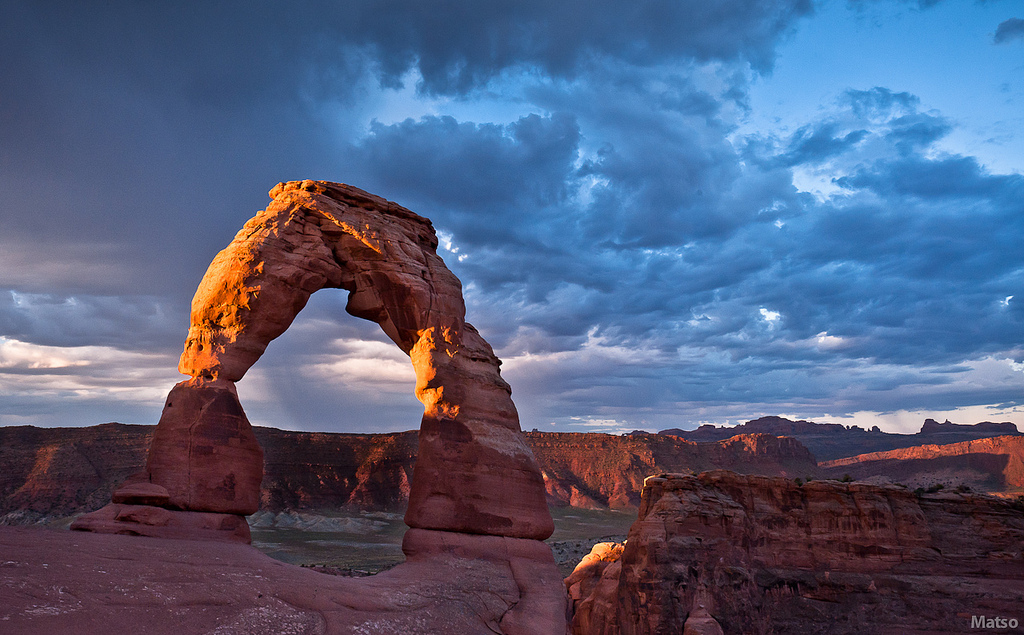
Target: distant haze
pixel 663 213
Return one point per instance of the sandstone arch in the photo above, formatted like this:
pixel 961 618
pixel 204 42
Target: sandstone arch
pixel 474 472
pixel 477 506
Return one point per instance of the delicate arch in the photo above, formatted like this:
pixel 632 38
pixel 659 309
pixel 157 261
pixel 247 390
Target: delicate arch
pixel 474 472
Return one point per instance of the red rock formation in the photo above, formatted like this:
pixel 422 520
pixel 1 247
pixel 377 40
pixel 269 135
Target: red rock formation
pixel 476 486
pixel 764 555
pixel 993 465
pixel 474 473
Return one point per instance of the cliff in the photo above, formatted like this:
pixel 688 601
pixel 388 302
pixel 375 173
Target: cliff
pixel 994 465
pixel 765 555
pixel 57 472
pixel 828 441
pixel 600 470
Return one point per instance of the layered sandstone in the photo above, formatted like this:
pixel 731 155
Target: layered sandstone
pixel 766 555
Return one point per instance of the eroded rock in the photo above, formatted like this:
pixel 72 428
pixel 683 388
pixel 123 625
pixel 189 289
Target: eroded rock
pixel 474 472
pixel 766 555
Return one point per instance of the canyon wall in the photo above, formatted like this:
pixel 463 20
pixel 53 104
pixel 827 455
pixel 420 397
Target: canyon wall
pixel 599 470
pixel 758 555
pixel 53 473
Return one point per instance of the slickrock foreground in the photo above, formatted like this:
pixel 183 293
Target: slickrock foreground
pixel 764 555
pixel 476 496
pixel 96 584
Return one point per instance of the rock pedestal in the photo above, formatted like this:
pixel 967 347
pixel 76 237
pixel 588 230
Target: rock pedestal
pixel 202 476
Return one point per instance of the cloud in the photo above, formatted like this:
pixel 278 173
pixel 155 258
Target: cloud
pixel 81 385
pixel 486 181
pixel 1011 29
pixel 635 257
pixel 471 43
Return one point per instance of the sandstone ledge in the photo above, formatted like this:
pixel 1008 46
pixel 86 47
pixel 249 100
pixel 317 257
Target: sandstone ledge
pixel 765 555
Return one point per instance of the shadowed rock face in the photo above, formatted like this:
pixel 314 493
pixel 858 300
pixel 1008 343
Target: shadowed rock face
pixel 765 555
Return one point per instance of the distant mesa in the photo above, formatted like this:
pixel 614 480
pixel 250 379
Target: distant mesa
pixel 829 441
pixel 476 485
pixel 991 464
pixel 54 473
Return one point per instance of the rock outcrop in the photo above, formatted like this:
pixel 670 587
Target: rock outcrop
pixel 600 470
pixel 96 584
pixel 766 555
pixel 476 485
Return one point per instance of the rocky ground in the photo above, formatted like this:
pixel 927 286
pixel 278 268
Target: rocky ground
pixel 84 583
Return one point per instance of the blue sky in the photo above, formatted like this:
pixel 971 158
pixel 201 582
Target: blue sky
pixel 663 213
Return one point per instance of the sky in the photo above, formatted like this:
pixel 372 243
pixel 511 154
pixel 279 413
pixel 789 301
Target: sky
pixel 664 213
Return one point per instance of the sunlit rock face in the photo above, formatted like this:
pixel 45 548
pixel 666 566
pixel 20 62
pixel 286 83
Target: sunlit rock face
pixel 474 472
pixel 758 555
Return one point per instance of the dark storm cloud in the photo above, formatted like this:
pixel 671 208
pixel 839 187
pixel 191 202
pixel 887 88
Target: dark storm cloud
pixel 166 123
pixel 812 146
pixel 465 44
pixel 877 293
pixel 628 252
pixel 913 262
pixel 488 182
pixel 1012 29
pixel 71 321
